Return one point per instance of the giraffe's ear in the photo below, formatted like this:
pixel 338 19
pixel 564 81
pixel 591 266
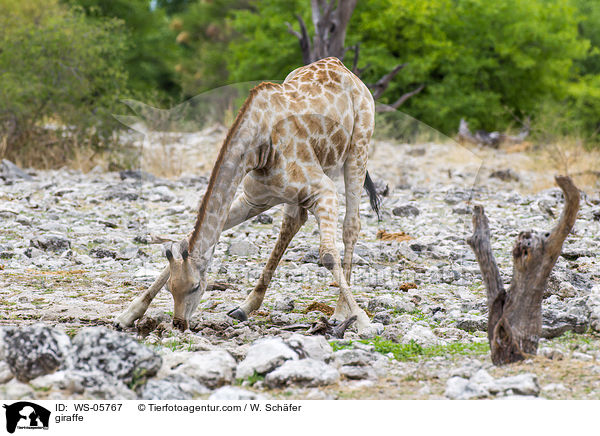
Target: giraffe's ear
pixel 169 254
pixel 184 249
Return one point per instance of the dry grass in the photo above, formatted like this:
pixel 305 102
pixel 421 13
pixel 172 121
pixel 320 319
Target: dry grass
pixel 398 236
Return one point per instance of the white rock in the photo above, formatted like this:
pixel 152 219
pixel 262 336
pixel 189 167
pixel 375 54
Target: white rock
pixel 211 368
pixel 145 272
pixel 263 356
pixel 306 372
pixel 5 372
pixel 422 335
pixel 485 380
pixel 243 248
pixel 283 303
pixel 353 357
pixel 315 347
pixel 15 390
pixel 358 372
pixel 455 387
pixel 567 290
pixel 458 388
pixel 162 193
pixel 522 384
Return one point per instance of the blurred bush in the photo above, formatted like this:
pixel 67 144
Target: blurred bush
pixel 60 78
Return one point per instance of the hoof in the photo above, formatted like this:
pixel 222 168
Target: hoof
pixel 238 314
pixel 121 323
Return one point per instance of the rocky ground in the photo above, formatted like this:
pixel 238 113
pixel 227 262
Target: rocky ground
pixel 76 248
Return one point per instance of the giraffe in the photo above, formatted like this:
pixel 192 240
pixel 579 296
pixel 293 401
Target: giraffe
pixel 284 146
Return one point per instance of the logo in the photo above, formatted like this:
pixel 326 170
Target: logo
pixel 26 415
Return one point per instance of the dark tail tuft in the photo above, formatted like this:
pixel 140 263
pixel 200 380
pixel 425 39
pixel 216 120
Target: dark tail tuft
pixel 373 197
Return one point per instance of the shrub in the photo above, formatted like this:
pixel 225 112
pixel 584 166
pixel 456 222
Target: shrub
pixel 60 78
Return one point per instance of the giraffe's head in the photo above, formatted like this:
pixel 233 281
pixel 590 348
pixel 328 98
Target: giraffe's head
pixel 187 281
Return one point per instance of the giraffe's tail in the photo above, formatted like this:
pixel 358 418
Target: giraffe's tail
pixel 373 197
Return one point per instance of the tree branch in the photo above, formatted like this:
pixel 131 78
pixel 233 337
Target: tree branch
pixel 359 71
pixel 515 317
pixel 480 243
pixel 400 101
pixel 303 40
pixel 381 85
pixel 406 96
pixel 565 223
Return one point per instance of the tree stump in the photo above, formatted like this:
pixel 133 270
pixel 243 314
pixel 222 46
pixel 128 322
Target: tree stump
pixel 515 316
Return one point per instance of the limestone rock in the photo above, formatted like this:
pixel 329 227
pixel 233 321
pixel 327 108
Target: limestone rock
pixel 211 368
pixel 263 356
pixel 305 372
pixel 36 350
pixel 114 353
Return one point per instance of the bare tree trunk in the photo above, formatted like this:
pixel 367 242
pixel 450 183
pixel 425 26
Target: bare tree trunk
pixel 330 20
pixel 515 317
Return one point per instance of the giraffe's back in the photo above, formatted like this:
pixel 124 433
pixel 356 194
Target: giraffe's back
pixel 315 111
pixel 311 119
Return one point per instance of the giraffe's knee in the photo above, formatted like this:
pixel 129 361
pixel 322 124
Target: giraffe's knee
pixel 328 260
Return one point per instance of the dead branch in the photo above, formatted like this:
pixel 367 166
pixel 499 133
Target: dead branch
pixel 325 328
pixel 379 87
pixel 515 317
pixel 400 101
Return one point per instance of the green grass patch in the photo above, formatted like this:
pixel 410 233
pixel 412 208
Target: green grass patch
pixel 413 351
pixel 256 377
pixel 574 340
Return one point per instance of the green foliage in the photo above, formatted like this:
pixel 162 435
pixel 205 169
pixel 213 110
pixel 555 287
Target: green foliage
pixel 151 51
pixel 69 62
pixel 204 32
pixel 480 60
pixel 588 26
pixel 484 61
pixel 264 50
pixel 413 351
pixel 57 66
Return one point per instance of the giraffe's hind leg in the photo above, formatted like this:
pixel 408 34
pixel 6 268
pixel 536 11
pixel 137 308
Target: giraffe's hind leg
pixel 325 210
pixel 293 219
pixel 354 176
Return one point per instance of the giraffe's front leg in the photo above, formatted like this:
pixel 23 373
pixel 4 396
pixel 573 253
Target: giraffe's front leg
pixel 293 219
pixel 138 307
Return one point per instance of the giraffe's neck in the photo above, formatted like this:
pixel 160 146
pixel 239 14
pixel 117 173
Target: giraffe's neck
pixel 243 150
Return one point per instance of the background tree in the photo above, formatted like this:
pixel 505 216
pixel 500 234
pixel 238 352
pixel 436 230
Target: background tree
pixel 151 51
pixel 486 62
pixel 58 73
pixel 204 32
